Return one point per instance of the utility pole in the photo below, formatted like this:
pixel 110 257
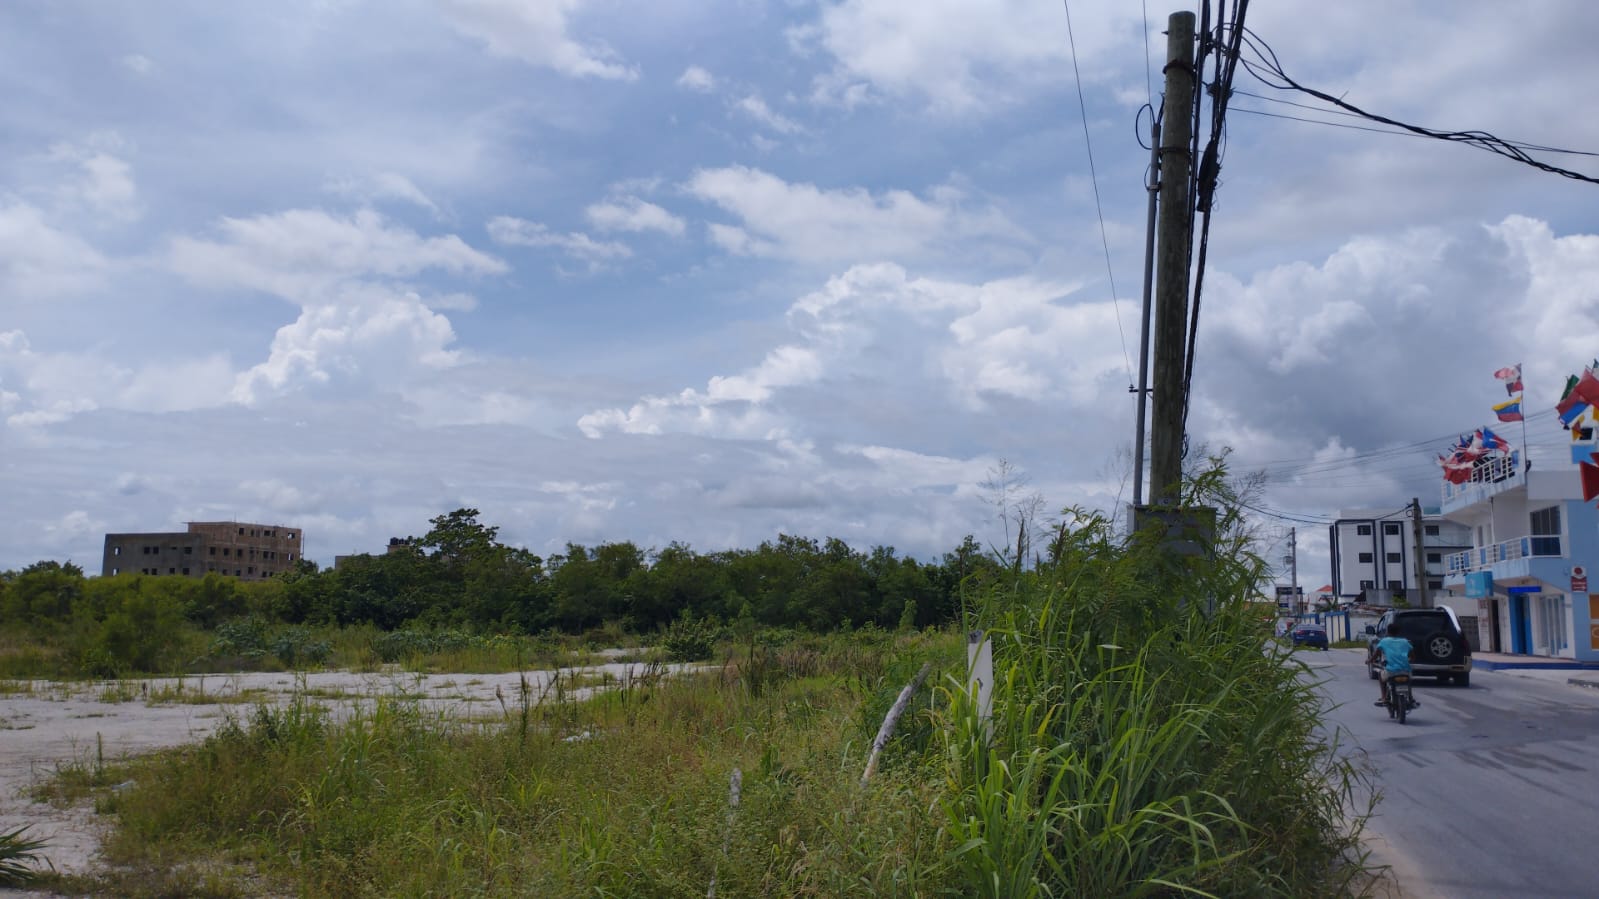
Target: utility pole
pixel 1422 593
pixel 1172 263
pixel 1293 569
pixel 1152 188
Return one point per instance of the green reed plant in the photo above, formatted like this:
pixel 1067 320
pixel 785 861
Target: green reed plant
pixel 1145 739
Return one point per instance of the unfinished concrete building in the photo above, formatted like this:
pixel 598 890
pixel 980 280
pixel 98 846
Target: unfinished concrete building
pixel 250 552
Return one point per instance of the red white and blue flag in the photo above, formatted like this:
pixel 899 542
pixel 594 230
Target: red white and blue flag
pixel 1511 376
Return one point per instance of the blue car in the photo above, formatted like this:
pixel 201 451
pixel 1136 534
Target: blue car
pixel 1310 635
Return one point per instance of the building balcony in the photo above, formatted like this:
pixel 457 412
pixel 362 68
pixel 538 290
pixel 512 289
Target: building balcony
pixel 1490 477
pixel 1512 558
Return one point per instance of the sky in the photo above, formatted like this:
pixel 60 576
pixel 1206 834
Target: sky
pixel 711 272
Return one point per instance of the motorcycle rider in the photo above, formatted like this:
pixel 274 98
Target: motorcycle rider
pixel 1394 651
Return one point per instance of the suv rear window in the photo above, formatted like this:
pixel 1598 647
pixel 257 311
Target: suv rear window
pixel 1421 622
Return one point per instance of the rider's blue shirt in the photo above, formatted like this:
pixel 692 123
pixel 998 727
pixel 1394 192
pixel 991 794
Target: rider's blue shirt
pixel 1395 654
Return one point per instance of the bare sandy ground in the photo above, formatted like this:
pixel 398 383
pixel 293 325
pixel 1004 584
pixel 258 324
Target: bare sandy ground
pixel 50 726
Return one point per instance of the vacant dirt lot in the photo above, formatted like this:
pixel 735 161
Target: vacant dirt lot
pixel 46 726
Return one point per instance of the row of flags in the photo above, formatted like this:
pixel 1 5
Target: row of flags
pixel 1471 449
pixel 1580 396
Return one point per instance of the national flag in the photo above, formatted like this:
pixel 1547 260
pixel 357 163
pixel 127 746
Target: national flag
pixel 1587 388
pixel 1571 408
pixel 1509 410
pixel 1492 442
pixel 1511 375
pixel 1571 384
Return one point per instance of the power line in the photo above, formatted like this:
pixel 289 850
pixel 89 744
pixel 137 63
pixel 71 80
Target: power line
pixel 1209 169
pixel 1094 180
pixel 1267 62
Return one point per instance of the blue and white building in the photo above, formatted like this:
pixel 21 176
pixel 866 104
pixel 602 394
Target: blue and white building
pixel 1533 543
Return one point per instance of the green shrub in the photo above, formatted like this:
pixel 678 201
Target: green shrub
pixel 689 640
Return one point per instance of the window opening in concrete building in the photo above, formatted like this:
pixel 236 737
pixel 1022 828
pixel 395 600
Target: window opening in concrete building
pixel 1431 530
pixel 1546 531
pixel 1393 557
pixel 1367 585
pixel 1435 557
pixel 1391 530
pixel 116 550
pixel 1362 530
pixel 1396 585
pixel 1365 557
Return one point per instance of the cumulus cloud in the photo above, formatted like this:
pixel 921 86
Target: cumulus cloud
pixel 536 32
pixel 633 214
pixel 298 252
pixel 697 79
pixel 508 230
pixel 356 319
pixel 39 260
pixel 955 55
pixel 965 342
pixel 755 108
pixel 138 63
pixel 808 223
pixel 56 386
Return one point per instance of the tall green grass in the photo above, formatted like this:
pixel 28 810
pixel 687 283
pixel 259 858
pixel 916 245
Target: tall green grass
pixel 1145 739
pixel 621 795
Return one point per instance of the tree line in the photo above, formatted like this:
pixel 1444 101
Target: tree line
pixel 459 575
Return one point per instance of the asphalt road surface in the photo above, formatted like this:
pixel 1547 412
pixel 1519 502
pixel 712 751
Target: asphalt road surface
pixel 1488 791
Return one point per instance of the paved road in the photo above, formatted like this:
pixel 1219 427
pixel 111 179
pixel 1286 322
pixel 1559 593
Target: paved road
pixel 1489 791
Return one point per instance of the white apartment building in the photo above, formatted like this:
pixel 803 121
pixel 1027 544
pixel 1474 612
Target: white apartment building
pixel 1373 552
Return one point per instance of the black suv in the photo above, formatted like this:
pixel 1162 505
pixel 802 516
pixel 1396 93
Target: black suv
pixel 1440 647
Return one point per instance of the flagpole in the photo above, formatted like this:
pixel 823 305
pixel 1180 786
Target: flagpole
pixel 1526 450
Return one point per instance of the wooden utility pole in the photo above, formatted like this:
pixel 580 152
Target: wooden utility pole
pixel 1172 263
pixel 1423 595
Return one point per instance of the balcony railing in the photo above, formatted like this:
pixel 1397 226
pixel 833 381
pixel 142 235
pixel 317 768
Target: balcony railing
pixel 1489 476
pixel 1482 557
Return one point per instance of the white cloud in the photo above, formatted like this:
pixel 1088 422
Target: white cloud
pixel 507 229
pixel 961 341
pixel 957 55
pixel 536 32
pixel 56 386
pixel 384 186
pixel 38 260
pixel 808 223
pixel 301 251
pixel 755 108
pixel 697 79
pixel 138 63
pixel 633 214
pixel 104 182
pixel 355 321
pixel 367 332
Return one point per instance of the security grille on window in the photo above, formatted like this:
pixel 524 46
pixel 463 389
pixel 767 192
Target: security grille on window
pixel 1365 557
pixel 1391 530
pixel 1394 557
pixel 1363 530
pixel 1431 530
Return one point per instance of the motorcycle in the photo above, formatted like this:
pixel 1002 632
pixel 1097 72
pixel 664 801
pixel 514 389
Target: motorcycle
pixel 1400 698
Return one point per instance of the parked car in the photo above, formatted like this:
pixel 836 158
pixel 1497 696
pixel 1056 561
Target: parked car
pixel 1310 635
pixel 1439 647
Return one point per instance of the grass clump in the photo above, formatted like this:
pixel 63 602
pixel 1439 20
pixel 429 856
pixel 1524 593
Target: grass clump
pixel 1146 738
pixel 19 856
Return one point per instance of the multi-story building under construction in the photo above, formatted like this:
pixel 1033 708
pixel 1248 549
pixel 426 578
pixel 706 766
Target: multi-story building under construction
pixel 250 552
